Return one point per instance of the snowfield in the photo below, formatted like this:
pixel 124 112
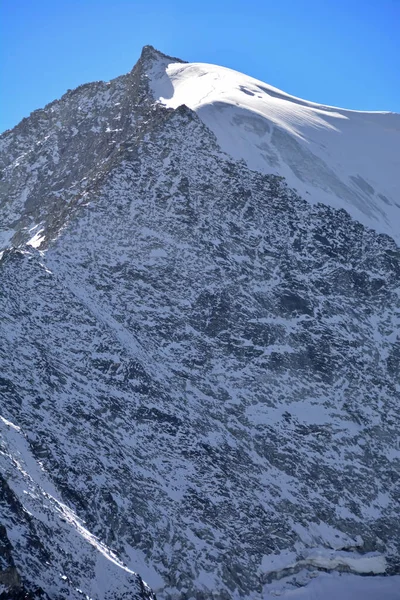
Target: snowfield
pixel 344 158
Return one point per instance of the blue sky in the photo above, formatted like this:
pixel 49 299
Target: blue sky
pixel 334 52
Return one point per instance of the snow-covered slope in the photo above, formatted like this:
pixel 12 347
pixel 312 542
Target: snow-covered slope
pixel 199 369
pixel 347 159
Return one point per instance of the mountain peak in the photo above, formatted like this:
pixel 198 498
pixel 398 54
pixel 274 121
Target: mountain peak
pixel 149 53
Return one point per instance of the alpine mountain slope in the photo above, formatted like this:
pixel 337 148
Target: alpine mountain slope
pixel 199 365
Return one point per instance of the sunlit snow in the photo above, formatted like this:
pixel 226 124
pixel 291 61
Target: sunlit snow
pixel 345 158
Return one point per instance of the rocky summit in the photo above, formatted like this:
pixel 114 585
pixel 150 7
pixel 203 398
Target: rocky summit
pixel 199 365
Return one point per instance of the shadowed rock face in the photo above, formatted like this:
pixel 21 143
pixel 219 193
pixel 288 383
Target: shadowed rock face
pixel 50 159
pixel 196 363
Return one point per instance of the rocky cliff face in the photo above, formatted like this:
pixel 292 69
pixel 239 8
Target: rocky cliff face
pixel 200 370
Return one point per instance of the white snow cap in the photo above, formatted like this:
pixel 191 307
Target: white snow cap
pixel 344 158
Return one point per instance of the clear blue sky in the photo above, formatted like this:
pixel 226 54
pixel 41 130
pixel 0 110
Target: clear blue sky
pixel 343 53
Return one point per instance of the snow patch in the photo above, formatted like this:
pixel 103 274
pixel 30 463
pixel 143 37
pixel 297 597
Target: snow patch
pixel 357 563
pixel 36 240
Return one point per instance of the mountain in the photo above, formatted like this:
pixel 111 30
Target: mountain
pixel 199 365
